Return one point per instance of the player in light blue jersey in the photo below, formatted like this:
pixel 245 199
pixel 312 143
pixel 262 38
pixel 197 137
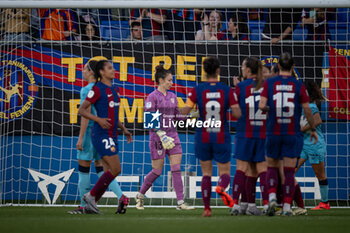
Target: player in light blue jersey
pixel 315 153
pixel 86 153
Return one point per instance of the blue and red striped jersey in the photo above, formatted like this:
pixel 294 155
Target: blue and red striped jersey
pixel 106 101
pixel 213 100
pixel 284 94
pixel 252 123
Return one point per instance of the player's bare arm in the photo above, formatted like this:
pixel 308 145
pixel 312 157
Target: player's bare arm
pixel 126 132
pixel 317 119
pixel 263 104
pixel 84 122
pixel 310 119
pixel 83 111
pixel 236 111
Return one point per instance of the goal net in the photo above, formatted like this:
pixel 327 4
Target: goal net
pixel 43 52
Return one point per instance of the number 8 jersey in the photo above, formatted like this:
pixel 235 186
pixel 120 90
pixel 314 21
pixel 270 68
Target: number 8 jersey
pixel 213 100
pixel 285 95
pixel 252 123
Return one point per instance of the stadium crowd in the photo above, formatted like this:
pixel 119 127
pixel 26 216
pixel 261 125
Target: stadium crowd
pixel 173 24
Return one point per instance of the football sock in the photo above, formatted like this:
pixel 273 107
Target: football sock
pixel 238 187
pixel 298 197
pixel 250 187
pixel 289 185
pixel 150 178
pixel 324 190
pixel 177 182
pixel 113 186
pixel 279 193
pixel 272 178
pixel 263 188
pixel 84 182
pixel 101 186
pixel 206 191
pixel 224 181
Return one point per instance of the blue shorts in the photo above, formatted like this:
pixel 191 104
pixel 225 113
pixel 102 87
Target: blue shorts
pixel 315 154
pixel 89 152
pixel 250 149
pixel 105 145
pixel 280 146
pixel 213 151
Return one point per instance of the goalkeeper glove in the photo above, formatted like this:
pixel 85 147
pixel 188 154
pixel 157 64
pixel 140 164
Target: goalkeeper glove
pixel 167 142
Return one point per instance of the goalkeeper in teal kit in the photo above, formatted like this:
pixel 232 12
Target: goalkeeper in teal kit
pixel 315 153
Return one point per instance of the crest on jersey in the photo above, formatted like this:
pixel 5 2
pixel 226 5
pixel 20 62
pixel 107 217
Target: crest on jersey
pixel 18 89
pixel 44 181
pixel 148 105
pixel 90 94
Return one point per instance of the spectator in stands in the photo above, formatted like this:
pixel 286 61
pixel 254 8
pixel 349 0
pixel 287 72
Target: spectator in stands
pixel 17 24
pixel 90 32
pixel 57 24
pixel 237 29
pixel 2 22
pixel 316 23
pixel 280 24
pixel 183 23
pixel 151 20
pixel 135 31
pixel 210 26
pixel 35 23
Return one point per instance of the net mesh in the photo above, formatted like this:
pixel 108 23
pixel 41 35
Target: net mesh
pixel 43 51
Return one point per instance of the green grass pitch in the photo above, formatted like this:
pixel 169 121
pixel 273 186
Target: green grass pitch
pixel 55 219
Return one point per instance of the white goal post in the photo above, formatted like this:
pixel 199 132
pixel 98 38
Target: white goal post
pixel 171 4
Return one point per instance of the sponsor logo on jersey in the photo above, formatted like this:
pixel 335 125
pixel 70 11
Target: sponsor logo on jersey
pixel 113 104
pixel 91 94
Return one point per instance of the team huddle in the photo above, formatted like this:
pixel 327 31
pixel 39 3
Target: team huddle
pixel 269 140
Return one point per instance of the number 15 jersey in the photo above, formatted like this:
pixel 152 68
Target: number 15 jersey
pixel 285 95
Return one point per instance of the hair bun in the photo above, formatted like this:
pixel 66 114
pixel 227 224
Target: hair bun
pixel 159 68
